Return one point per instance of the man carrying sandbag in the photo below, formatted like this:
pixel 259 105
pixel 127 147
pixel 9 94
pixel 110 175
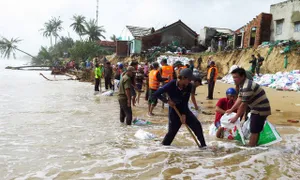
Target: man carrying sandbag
pixel 254 96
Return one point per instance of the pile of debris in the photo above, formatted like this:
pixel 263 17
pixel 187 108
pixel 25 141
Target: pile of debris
pixel 172 59
pixel 284 81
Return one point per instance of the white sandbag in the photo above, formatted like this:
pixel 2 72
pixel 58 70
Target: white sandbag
pixel 108 93
pixel 116 85
pixel 212 130
pixel 235 130
pixel 143 135
pixel 226 123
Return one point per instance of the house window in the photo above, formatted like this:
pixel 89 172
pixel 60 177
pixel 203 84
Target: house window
pixel 297 26
pixel 279 24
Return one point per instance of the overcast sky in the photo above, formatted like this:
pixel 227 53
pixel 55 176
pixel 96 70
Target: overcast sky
pixel 24 18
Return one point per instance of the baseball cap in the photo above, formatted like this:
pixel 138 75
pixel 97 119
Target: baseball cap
pixel 130 68
pixel 188 73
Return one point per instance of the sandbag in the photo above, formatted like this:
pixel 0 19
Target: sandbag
pixel 143 135
pixel 108 93
pixel 116 85
pixel 212 130
pixel 267 137
pixel 232 131
pixel 140 122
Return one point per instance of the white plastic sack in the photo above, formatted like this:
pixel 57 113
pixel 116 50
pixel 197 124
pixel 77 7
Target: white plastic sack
pixel 227 124
pixel 143 135
pixel 108 93
pixel 116 85
pixel 212 130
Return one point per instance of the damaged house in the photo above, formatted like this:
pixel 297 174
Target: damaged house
pixel 255 32
pixel 210 36
pixel 135 39
pixel 176 34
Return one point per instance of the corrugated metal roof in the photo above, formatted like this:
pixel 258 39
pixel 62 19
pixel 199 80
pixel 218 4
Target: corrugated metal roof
pixel 139 31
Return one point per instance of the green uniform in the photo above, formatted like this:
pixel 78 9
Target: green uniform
pixel 125 83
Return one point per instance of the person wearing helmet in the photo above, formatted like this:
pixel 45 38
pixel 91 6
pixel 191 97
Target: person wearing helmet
pixel 225 104
pixel 154 81
pixel 196 83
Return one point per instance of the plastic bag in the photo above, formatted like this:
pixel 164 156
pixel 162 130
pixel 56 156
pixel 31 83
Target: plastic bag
pixel 141 134
pixel 267 137
pixel 108 93
pixel 232 131
pixel 212 130
pixel 116 85
pixel 140 122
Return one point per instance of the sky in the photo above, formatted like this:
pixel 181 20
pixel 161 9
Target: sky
pixel 25 18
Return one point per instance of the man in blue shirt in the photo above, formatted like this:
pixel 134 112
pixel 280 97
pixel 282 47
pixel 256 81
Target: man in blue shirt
pixel 179 92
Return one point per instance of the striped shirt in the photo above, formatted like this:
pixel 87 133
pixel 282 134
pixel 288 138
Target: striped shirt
pixel 256 98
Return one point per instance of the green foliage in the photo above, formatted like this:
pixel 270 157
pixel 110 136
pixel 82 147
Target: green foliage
pixel 51 28
pixel 93 31
pixel 113 38
pixel 44 57
pixel 86 49
pixel 78 25
pixel 8 47
pixel 62 46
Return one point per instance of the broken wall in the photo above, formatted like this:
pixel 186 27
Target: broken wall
pixel 262 24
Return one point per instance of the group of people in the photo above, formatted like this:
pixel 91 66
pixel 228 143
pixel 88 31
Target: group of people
pixel 256 63
pixel 175 85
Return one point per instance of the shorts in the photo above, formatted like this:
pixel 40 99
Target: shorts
pixel 139 87
pixel 132 91
pixel 152 100
pixel 257 123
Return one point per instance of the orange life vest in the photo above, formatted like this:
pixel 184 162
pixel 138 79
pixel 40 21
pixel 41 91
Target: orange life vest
pixel 153 82
pixel 167 71
pixel 179 69
pixel 216 73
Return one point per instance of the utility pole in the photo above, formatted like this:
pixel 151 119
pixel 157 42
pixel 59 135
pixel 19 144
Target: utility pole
pixel 97 7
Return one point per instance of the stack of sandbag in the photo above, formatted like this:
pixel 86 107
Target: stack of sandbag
pixel 172 59
pixel 286 81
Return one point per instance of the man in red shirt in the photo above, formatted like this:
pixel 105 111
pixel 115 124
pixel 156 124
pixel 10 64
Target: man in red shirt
pixel 224 104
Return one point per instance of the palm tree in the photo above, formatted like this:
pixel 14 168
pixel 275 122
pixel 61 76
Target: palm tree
pixel 56 22
pixel 93 31
pixel 8 47
pixel 113 38
pixel 78 25
pixel 48 30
